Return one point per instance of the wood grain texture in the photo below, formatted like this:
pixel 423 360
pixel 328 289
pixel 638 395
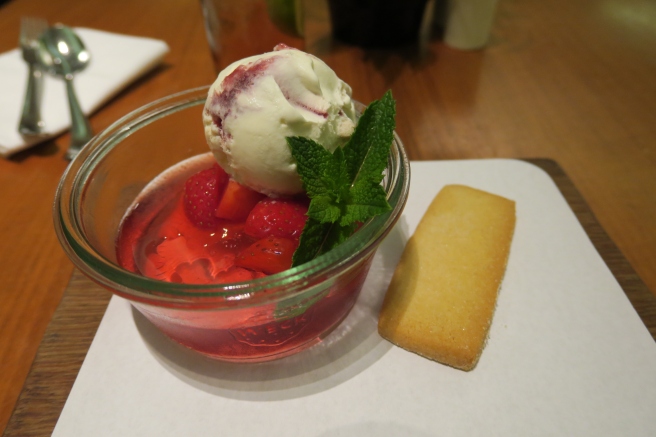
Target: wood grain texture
pixel 34 269
pixel 59 358
pixel 73 327
pixel 570 81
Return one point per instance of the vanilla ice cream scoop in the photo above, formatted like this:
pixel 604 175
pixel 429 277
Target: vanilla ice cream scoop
pixel 257 102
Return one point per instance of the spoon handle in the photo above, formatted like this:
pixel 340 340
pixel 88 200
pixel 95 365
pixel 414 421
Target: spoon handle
pixel 31 123
pixel 81 131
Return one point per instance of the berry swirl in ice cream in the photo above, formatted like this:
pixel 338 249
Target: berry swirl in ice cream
pixel 257 102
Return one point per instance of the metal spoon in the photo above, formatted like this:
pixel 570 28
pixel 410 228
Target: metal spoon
pixel 69 56
pixel 31 29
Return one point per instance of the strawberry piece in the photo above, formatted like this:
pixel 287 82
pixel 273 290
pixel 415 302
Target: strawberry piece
pixel 236 274
pixel 269 255
pixel 197 272
pixel 237 201
pixel 164 256
pixel 277 217
pixel 201 196
pixel 180 260
pixel 229 237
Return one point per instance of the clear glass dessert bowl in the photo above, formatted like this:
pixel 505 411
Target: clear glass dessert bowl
pixel 256 320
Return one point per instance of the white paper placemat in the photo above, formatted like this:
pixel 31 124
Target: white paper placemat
pixel 567 353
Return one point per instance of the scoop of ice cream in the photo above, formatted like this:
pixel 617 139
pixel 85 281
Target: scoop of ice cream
pixel 257 102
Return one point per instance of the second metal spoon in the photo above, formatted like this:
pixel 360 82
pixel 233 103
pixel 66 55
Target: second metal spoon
pixel 69 56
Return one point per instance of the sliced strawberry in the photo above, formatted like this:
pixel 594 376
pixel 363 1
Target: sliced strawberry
pixel 234 274
pixel 202 193
pixel 197 272
pixel 179 260
pixel 229 236
pixel 164 256
pixel 277 217
pixel 237 202
pixel 269 255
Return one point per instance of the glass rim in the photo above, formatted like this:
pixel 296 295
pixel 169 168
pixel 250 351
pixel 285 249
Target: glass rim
pixel 70 228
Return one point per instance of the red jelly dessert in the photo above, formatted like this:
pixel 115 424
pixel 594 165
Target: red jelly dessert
pixel 195 225
pixel 208 230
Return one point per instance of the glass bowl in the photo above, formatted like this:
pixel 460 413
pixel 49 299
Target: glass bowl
pixel 257 320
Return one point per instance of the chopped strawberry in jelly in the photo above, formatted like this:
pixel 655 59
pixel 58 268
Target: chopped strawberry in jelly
pixel 237 274
pixel 200 236
pixel 277 217
pixel 203 191
pixel 269 255
pixel 237 202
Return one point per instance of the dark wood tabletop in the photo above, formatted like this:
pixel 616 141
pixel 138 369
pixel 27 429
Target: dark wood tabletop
pixel 569 81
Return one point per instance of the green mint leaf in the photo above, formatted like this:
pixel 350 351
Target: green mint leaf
pixel 318 238
pixel 316 165
pixel 368 148
pixel 324 209
pixel 337 234
pixel 342 180
pixel 344 186
pixel 311 241
pixel 366 202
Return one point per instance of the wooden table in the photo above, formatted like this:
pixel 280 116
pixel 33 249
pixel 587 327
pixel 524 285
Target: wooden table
pixel 570 81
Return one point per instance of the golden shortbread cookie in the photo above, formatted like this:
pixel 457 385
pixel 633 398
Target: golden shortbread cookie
pixel 442 296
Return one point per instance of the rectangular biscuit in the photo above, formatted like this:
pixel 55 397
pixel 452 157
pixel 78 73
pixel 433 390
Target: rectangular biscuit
pixel 442 296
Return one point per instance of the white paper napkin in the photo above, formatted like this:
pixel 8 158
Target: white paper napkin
pixel 116 61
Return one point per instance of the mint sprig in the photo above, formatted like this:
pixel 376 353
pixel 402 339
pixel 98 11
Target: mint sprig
pixel 344 186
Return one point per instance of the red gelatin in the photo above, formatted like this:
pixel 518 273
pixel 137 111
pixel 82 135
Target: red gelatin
pixel 159 240
pixel 253 335
pixel 163 237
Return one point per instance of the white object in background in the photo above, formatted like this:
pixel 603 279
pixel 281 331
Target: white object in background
pixel 468 23
pixel 116 61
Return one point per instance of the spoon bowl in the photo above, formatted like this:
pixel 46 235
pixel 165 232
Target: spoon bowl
pixel 68 56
